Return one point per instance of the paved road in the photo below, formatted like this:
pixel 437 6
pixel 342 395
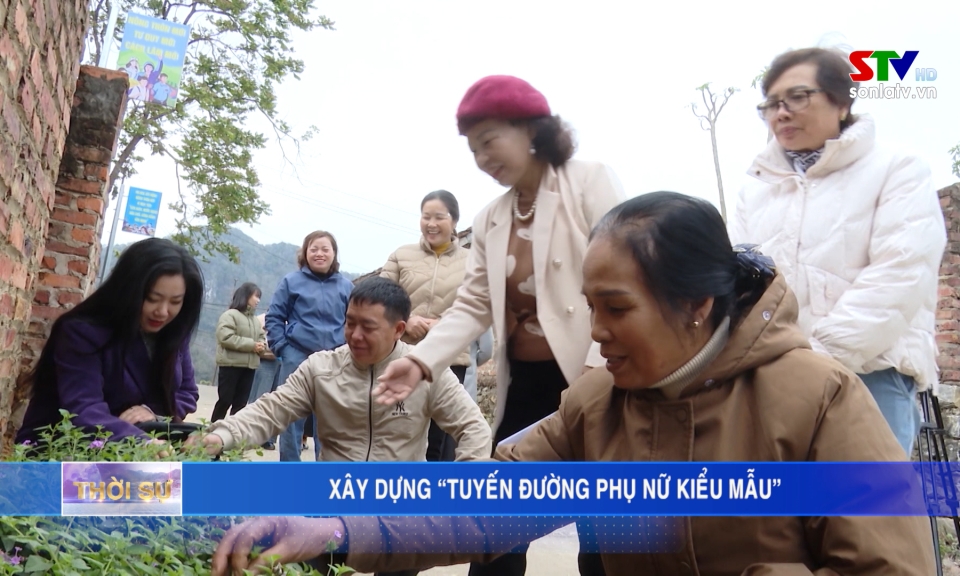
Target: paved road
pixel 552 555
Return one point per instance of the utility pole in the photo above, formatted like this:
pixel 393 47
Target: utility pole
pixel 108 37
pixel 113 231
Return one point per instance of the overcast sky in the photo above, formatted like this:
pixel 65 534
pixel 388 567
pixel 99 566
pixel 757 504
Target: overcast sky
pixel 383 89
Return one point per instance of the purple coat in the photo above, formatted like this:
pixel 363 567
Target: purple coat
pixel 98 383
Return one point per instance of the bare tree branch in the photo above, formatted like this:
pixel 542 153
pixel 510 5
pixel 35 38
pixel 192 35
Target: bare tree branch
pixel 708 122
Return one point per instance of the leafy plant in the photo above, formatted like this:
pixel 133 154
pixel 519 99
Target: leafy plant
pixel 88 546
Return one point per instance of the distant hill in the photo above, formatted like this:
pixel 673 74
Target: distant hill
pixel 264 265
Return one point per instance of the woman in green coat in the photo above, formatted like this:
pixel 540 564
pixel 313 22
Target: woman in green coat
pixel 240 341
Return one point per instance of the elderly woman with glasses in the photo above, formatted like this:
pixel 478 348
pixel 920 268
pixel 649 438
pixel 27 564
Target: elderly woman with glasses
pixel 855 227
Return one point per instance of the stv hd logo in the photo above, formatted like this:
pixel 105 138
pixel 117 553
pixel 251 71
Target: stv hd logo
pixel 885 59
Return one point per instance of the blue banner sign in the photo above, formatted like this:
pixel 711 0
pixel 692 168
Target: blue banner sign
pixel 143 210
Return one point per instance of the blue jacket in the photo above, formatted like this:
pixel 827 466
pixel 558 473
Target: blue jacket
pixel 308 312
pixel 98 383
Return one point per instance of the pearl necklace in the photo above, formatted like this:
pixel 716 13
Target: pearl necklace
pixel 516 208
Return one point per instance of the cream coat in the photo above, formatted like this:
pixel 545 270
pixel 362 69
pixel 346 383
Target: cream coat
pixel 430 280
pixel 354 427
pixel 859 238
pixel 571 201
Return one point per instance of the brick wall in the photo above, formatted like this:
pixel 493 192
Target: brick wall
pixel 948 317
pixel 68 269
pixel 40 46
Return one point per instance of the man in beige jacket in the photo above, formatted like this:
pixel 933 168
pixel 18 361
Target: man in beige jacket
pixel 336 386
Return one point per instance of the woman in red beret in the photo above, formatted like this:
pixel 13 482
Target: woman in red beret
pixel 524 270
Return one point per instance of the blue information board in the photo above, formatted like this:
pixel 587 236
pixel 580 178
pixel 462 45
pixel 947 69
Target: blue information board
pixel 143 209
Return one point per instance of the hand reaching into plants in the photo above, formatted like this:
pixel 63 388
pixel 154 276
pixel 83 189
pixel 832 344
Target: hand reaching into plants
pixel 287 539
pixel 159 442
pixel 211 443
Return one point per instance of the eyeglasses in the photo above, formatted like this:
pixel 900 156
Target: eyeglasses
pixel 795 100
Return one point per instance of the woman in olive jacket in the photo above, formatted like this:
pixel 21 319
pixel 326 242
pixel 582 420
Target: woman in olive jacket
pixel 240 341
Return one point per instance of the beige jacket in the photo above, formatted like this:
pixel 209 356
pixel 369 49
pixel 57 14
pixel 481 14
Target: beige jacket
pixel 237 334
pixel 571 201
pixel 765 398
pixel 430 280
pixel 352 426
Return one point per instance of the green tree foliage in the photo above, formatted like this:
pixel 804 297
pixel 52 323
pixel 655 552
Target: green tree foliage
pixel 239 51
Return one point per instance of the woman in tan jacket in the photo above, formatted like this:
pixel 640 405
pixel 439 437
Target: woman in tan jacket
pixel 524 270
pixel 240 340
pixel 705 362
pixel 430 272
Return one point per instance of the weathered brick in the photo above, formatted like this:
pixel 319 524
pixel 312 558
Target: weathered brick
pixel 16 235
pixel 6 304
pixel 46 312
pixel 80 185
pixel 74 217
pixel 90 203
pixel 81 267
pixel 83 235
pixel 69 298
pixel 40 18
pixel 98 171
pixel 59 280
pixel 63 248
pixel 21 25
pixel 11 116
pixel 42 297
pixel 89 154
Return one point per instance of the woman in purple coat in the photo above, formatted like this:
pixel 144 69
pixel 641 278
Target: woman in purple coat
pixel 121 357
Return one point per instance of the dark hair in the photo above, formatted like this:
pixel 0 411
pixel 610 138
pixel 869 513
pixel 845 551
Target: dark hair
pixel 682 248
pixel 833 76
pixel 302 253
pixel 448 199
pixel 242 295
pixel 118 304
pixel 377 290
pixel 553 141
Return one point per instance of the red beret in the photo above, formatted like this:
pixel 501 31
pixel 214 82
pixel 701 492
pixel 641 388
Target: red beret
pixel 500 97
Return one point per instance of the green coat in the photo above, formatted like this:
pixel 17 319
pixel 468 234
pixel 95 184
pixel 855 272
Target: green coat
pixel 237 334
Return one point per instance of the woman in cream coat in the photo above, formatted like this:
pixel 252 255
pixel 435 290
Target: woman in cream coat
pixel 524 270
pixel 430 272
pixel 856 229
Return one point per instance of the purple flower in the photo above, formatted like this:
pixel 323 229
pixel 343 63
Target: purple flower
pixel 337 534
pixel 26 443
pixel 96 444
pixel 15 559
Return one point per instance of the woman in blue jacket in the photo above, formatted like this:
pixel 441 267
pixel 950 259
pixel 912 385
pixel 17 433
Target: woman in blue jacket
pixel 307 315
pixel 122 356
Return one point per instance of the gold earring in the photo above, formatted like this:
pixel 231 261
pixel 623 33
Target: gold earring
pixel 696 323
